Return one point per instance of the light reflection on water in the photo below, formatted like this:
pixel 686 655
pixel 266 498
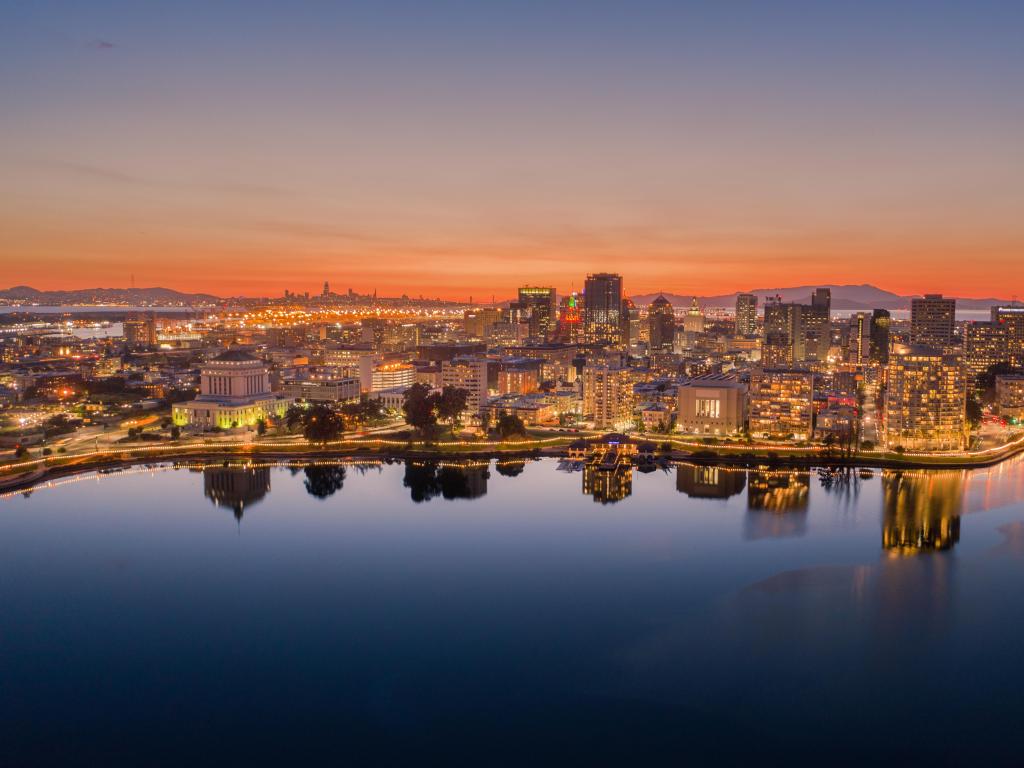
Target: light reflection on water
pixel 428 611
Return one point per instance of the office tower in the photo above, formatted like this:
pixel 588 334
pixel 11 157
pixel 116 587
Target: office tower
pixel 470 374
pixel 327 290
pixel 931 321
pixel 985 344
pixel 858 345
pixel 1010 397
pixel 1012 317
pixel 782 334
pixel 542 307
pixel 693 321
pixel 925 400
pixel 746 314
pixel 632 332
pixel 607 394
pixel 140 331
pixel 478 321
pixel 602 309
pixel 570 319
pixel 878 351
pixel 816 327
pixel 781 404
pixel 661 320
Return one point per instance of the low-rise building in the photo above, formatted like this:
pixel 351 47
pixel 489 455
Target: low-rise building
pixel 234 392
pixel 712 405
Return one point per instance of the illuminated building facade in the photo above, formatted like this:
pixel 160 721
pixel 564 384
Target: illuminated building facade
pixel 746 314
pixel 921 510
pixel 607 394
pixel 712 405
pixel 470 374
pixel 234 391
pixel 140 331
pixel 780 347
pixel 608 485
pixel 1010 397
pixel 541 304
pixel 1012 318
pixel 661 322
pixel 879 349
pixel 985 344
pixel 925 400
pixel 602 309
pixel 781 403
pixel 376 374
pixel 932 319
pixel 518 376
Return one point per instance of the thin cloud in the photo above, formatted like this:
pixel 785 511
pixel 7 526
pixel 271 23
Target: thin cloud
pixel 101 45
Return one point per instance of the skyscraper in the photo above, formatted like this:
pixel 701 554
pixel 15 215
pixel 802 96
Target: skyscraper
pixel 542 306
pixel 879 350
pixel 781 334
pixel 607 394
pixel 746 314
pixel 931 321
pixel 661 319
pixel 925 400
pixel 602 308
pixel 816 327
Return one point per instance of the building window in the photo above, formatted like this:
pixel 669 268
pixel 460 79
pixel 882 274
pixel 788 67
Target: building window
pixel 708 408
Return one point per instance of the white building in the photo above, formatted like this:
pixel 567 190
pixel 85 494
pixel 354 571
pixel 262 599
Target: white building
pixel 712 405
pixel 470 374
pixel 234 391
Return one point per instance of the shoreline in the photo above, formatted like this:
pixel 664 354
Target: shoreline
pixel 53 467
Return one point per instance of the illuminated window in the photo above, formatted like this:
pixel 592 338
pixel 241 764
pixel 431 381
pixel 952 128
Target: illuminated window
pixel 707 408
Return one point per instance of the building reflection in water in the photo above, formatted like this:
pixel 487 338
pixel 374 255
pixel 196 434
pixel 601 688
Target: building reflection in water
pixel 777 501
pixel 921 510
pixel 710 482
pixel 429 479
pixel 608 483
pixel 236 488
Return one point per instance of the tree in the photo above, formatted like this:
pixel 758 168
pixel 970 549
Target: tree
pixel 294 417
pixel 974 412
pixel 510 425
pixel 322 424
pixel 175 432
pixel 419 408
pixel 261 427
pixel 323 482
pixel 451 405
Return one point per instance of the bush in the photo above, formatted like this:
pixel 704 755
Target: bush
pixel 868 445
pixel 47 451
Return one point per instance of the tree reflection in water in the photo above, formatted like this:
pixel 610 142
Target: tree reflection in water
pixel 324 481
pixel 429 479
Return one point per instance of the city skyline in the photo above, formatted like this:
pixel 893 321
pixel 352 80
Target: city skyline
pixel 452 150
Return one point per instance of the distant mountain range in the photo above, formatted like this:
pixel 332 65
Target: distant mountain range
pixel 106 296
pixel 851 297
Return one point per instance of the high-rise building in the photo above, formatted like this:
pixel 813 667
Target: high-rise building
pixel 542 306
pixel 931 321
pixel 879 348
pixel 477 321
pixel 607 394
pixel 661 320
pixel 858 347
pixel 746 314
pixel 632 330
pixel 816 327
pixel 985 344
pixel 782 334
pixel 693 321
pixel 140 331
pixel 602 308
pixel 470 374
pixel 925 400
pixel 781 403
pixel 1012 317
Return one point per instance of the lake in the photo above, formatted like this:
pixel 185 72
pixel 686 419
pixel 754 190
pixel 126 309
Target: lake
pixel 510 613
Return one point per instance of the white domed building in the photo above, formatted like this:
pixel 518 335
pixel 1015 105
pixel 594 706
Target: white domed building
pixel 234 391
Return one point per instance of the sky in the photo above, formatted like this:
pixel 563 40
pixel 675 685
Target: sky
pixel 461 149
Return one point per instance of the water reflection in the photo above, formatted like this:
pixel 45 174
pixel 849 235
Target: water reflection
pixel 428 479
pixel 236 487
pixel 510 467
pixel 777 502
pixel 921 510
pixel 323 481
pixel 608 484
pixel 710 482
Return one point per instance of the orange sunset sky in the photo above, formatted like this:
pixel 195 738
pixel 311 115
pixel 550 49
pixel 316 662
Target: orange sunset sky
pixel 469 149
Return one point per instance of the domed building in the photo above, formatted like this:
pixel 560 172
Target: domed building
pixel 234 391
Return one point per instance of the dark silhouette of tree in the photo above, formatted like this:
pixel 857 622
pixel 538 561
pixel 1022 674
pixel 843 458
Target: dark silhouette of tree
pixel 322 424
pixel 363 411
pixel 511 468
pixel 974 412
pixel 261 427
pixel 451 404
pixel 419 406
pixel 324 481
pixel 510 425
pixel 421 480
pixel 294 418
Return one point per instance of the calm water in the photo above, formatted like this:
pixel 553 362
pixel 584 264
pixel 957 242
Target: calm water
pixel 512 614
